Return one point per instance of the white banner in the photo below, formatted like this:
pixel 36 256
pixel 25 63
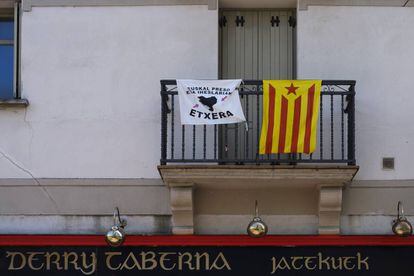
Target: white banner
pixel 209 102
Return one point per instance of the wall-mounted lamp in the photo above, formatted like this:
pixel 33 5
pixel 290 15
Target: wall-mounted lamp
pixel 257 228
pixel 401 226
pixel 116 236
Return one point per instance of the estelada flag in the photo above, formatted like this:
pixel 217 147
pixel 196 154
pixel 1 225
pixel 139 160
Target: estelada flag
pixel 290 116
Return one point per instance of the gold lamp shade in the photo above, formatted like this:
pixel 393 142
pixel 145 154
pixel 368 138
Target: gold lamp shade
pixel 257 227
pixel 116 236
pixel 401 226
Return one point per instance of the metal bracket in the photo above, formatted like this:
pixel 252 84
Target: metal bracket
pixel 222 21
pixel 240 21
pixel 275 20
pixel 292 21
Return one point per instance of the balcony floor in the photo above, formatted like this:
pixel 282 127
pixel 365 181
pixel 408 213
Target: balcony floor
pixel 256 176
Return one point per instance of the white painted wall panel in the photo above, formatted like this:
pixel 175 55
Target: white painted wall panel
pixel 374 46
pixel 92 76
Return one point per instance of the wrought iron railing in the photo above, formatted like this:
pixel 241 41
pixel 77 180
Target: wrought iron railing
pixel 238 144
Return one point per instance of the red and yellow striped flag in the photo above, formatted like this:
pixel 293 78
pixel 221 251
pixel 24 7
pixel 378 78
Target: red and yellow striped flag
pixel 290 116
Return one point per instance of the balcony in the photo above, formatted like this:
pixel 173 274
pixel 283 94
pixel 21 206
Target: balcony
pixel 215 156
pixel 236 144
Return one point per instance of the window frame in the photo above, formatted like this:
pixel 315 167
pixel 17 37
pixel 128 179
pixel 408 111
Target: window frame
pixel 12 13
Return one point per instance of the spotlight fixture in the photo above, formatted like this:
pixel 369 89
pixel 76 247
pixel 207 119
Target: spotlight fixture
pixel 401 226
pixel 257 228
pixel 116 236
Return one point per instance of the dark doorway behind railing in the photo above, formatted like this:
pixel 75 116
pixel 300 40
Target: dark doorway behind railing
pixel 239 143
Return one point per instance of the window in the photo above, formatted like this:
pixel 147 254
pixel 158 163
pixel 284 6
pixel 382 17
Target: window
pixel 8 53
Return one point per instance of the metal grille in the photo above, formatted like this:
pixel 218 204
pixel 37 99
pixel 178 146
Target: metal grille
pixel 238 144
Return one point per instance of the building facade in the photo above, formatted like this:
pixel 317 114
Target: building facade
pixel 81 114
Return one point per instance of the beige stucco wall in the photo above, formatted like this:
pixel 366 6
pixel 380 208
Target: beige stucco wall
pixel 91 75
pixel 374 46
pixel 90 136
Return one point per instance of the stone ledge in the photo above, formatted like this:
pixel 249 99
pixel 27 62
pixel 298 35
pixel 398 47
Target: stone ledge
pixel 81 182
pixel 83 224
pixel 29 4
pixel 263 176
pixel 304 4
pixel 14 103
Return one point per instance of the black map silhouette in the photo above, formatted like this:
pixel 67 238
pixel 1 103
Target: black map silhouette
pixel 208 102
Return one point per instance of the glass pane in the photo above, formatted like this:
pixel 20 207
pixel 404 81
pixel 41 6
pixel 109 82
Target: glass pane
pixel 6 72
pixel 6 30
